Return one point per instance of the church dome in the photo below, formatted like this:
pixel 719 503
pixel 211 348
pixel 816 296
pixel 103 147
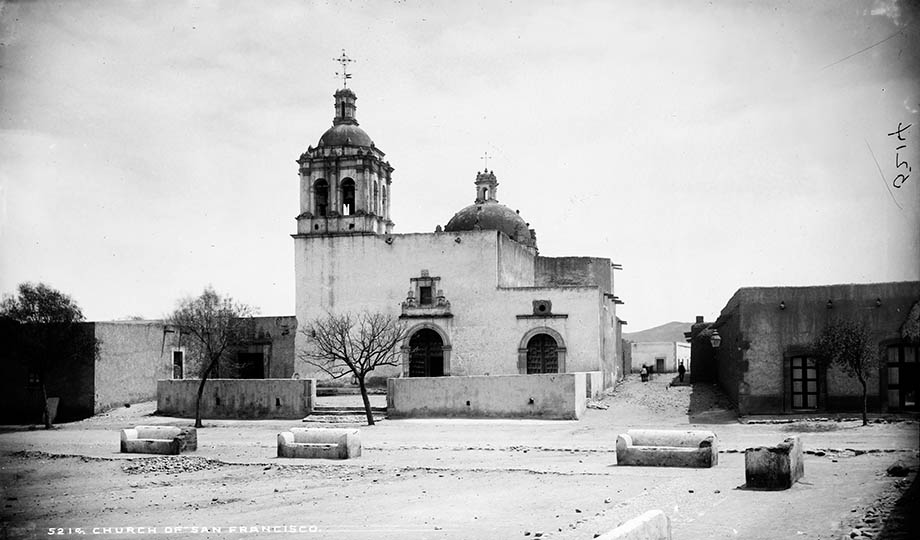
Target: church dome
pixel 489 216
pixel 345 134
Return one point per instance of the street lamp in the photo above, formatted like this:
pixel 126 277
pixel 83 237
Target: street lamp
pixel 715 339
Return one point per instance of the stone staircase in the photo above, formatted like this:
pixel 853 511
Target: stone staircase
pixel 344 415
pixel 326 391
pixel 343 405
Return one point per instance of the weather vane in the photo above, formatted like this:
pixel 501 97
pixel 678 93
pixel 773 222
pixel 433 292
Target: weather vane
pixel 485 158
pixel 345 75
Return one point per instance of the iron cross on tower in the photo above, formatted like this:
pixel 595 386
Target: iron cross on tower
pixel 485 157
pixel 345 75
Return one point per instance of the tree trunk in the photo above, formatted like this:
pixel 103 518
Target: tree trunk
pixel 865 408
pixel 367 401
pixel 204 379
pixel 46 416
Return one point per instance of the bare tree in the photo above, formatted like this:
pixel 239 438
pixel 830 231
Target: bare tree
pixel 214 323
pixel 354 344
pixel 849 345
pixel 44 329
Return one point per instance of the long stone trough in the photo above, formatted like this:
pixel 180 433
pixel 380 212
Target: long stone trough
pixel 667 448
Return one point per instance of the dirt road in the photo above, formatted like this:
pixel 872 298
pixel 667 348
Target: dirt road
pixel 443 479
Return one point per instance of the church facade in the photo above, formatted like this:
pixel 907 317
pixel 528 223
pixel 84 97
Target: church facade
pixel 476 297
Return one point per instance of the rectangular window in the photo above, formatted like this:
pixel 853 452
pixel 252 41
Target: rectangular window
pixel 178 361
pixel 424 296
pixel 804 383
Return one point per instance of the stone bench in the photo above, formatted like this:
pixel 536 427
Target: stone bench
pixel 774 467
pixel 166 440
pixel 661 448
pixel 327 443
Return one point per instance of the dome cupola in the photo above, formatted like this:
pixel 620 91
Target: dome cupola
pixel 486 213
pixel 345 130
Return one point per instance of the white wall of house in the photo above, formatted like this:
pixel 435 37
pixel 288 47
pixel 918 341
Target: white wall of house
pixel 670 352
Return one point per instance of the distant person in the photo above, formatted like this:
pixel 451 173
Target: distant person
pixel 681 370
pixel 643 373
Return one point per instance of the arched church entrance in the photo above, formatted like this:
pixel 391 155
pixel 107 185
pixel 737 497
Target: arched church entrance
pixel 542 355
pixel 426 354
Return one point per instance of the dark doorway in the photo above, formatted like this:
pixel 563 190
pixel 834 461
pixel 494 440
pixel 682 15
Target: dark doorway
pixel 426 354
pixel 250 366
pixel 177 364
pixel 542 355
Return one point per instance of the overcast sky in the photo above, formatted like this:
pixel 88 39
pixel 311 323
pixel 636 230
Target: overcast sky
pixel 147 148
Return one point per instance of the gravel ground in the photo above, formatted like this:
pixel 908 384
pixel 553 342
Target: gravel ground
pixel 458 479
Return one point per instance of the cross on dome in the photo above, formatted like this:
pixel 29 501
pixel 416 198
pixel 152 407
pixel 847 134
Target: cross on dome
pixel 344 60
pixel 485 157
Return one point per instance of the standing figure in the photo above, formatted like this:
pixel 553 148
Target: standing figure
pixel 644 373
pixel 681 370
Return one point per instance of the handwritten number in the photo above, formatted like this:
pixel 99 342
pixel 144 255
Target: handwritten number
pixel 900 130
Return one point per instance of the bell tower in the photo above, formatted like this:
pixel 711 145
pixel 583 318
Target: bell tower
pixel 344 180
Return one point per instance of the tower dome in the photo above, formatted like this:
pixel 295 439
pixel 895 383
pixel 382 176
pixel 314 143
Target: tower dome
pixel 345 135
pixel 486 213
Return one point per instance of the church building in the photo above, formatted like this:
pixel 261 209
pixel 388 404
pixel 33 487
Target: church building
pixel 476 296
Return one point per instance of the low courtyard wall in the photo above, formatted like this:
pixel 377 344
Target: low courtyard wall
pixel 238 398
pixel 553 396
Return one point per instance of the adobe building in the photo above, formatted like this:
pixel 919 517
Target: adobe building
pixel 265 351
pixel 477 297
pixel 764 358
pixel 132 355
pixel 660 356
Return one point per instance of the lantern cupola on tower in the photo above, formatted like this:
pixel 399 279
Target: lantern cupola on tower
pixel 344 180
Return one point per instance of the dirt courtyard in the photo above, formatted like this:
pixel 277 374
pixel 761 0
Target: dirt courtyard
pixel 450 479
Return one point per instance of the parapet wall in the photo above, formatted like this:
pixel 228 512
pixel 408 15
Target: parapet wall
pixel 552 396
pixel 238 398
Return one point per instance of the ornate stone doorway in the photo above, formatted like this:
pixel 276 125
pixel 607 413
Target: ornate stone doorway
pixel 426 354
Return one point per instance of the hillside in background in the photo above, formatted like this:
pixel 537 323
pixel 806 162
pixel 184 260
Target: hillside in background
pixel 672 331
